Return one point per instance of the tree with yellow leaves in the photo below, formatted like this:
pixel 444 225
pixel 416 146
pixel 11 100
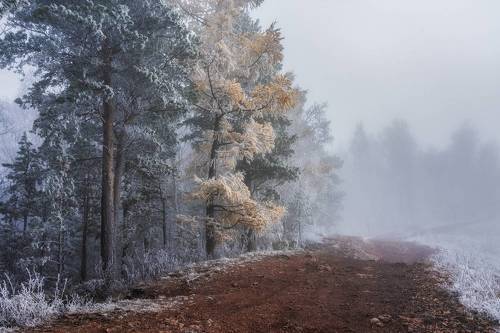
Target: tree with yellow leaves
pixel 236 86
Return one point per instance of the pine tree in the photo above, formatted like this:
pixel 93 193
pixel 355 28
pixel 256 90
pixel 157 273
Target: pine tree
pixel 21 208
pixel 23 177
pixel 265 174
pixel 89 55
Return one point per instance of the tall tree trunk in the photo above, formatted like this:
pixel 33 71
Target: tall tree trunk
pixel 251 236
pixel 210 241
pixel 172 224
pixel 85 229
pixel 125 242
pixel 44 237
pixel 165 221
pixel 117 191
pixel 61 246
pixel 251 240
pixel 107 206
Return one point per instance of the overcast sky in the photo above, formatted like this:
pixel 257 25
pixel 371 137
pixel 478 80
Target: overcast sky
pixel 434 63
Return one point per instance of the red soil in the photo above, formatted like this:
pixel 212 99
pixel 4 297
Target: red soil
pixel 331 288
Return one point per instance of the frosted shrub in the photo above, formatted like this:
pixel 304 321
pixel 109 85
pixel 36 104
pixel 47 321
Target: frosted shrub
pixel 150 265
pixel 28 305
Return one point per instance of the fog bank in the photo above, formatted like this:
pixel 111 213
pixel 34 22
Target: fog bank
pixel 397 188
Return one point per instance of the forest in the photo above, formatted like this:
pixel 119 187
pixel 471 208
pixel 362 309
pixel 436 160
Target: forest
pixel 164 133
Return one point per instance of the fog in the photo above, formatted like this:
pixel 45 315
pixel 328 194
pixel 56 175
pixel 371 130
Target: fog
pixel 397 188
pixel 422 77
pixel 435 64
pixel 429 68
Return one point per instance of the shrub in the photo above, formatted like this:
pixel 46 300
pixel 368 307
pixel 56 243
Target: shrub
pixel 28 304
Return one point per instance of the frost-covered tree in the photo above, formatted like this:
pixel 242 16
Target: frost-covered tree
pixel 267 173
pixel 90 54
pixel 20 206
pixel 4 123
pixel 318 184
pixel 234 92
pixel 23 176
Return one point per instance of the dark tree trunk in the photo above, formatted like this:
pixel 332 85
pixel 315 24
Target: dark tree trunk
pixel 117 191
pixel 61 248
pixel 165 221
pixel 251 240
pixel 85 229
pixel 210 241
pixel 125 243
pixel 107 196
pixel 45 214
pixel 251 237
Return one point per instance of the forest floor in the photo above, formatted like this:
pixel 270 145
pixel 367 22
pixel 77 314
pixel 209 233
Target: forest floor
pixel 344 285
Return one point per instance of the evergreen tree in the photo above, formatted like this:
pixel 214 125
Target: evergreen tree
pixel 23 176
pixel 86 54
pixel 265 174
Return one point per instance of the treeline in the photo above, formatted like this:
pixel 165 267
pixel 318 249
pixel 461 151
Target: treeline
pixel 166 133
pixel 396 187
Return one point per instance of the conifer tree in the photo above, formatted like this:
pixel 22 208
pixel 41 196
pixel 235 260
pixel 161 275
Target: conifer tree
pixel 23 176
pixel 86 53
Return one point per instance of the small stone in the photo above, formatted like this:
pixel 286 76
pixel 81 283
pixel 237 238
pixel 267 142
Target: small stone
pixel 376 322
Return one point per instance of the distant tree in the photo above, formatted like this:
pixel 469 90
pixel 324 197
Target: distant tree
pixel 400 154
pixel 360 144
pixel 318 184
pixel 4 123
pixel 21 207
pixel 299 217
pixel 23 175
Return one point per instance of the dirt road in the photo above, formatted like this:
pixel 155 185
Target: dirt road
pixel 344 286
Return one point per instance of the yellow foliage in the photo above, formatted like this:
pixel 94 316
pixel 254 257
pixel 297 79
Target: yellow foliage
pixel 228 78
pixel 234 204
pixel 267 44
pixel 258 139
pixel 234 92
pixel 277 96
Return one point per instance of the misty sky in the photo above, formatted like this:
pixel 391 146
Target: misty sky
pixel 434 63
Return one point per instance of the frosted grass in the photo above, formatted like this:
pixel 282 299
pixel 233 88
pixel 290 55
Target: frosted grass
pixel 471 256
